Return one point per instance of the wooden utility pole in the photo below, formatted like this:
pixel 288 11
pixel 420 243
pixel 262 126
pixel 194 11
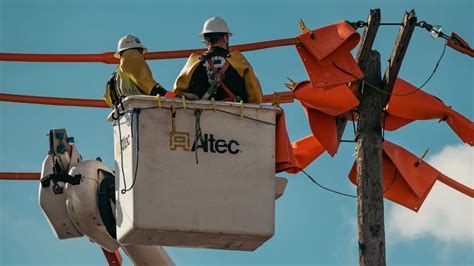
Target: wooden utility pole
pixel 368 39
pixel 373 95
pixel 370 211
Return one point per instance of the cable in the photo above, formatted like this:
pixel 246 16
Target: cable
pixel 436 66
pixel 137 147
pixel 422 85
pixel 197 132
pixel 123 191
pixel 361 24
pixel 137 143
pixel 211 109
pixel 395 94
pixel 326 188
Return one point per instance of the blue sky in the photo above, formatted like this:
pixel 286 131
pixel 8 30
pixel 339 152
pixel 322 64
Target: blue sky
pixel 313 227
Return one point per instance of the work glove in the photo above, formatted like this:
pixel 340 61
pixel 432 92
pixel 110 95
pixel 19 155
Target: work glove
pixel 158 89
pixel 189 96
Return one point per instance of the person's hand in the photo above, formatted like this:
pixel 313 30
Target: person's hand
pixel 189 96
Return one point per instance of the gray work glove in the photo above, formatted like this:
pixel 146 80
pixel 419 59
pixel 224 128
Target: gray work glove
pixel 189 96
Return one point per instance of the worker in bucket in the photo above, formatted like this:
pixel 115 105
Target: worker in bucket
pixel 218 73
pixel 132 76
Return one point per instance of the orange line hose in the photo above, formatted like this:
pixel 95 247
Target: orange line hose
pixel 52 100
pixel 19 176
pixel 277 97
pixel 108 57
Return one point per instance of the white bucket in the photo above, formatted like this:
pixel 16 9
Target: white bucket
pixel 225 199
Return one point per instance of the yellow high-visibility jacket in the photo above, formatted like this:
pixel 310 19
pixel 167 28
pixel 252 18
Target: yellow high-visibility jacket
pixel 133 77
pixel 237 61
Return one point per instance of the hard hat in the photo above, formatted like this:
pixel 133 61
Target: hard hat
pixel 128 42
pixel 215 24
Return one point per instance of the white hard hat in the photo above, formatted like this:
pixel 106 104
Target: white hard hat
pixel 128 42
pixel 215 24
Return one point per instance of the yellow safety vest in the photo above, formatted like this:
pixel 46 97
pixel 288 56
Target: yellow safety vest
pixel 133 77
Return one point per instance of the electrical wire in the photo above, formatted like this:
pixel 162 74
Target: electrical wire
pixel 326 188
pixel 422 85
pixel 396 94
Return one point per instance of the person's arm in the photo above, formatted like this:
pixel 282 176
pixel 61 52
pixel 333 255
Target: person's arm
pixel 136 67
pixel 107 97
pixel 245 70
pixel 183 81
pixel 253 87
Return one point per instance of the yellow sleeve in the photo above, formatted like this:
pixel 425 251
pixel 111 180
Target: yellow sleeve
pixel 245 70
pixel 136 67
pixel 107 96
pixel 183 81
pixel 253 87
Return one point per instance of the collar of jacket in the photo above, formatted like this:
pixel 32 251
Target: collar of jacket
pixel 215 51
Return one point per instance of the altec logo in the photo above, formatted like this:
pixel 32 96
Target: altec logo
pixel 210 144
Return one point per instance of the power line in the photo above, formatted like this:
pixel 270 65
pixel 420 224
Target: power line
pixel 395 94
pixel 326 188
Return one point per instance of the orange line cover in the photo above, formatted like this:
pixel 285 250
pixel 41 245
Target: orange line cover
pixel 108 57
pixel 19 176
pixel 406 180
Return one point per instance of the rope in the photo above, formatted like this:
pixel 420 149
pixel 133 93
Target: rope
pixel 137 147
pixel 123 191
pixel 136 125
pixel 197 132
pixel 211 109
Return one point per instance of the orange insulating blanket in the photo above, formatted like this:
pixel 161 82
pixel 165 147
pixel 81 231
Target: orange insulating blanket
pixel 108 57
pixel 323 127
pixel 326 55
pixel 322 107
pixel 422 106
pixel 407 180
pixel 292 157
pixel 335 101
pixel 460 45
pixel 19 176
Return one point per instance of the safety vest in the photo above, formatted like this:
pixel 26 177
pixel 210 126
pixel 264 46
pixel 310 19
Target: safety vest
pixel 123 85
pixel 132 77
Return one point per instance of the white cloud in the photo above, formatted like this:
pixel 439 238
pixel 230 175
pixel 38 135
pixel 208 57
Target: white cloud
pixel 446 214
